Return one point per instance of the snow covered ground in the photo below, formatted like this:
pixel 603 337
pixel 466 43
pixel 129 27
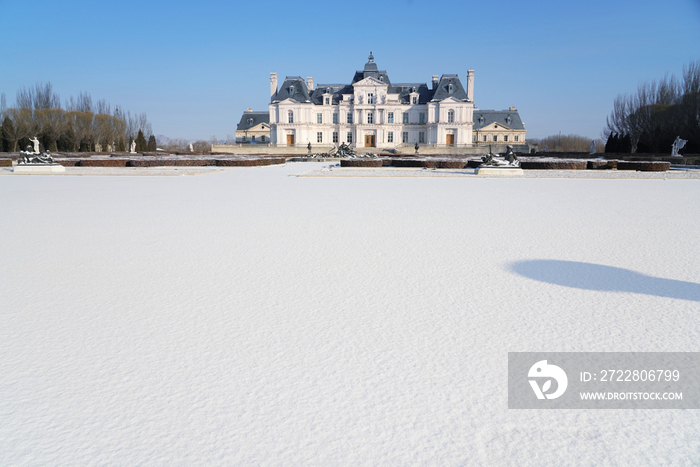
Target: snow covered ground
pixel 249 317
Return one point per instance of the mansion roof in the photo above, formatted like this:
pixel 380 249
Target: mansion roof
pixel 249 119
pixel 508 118
pixel 294 87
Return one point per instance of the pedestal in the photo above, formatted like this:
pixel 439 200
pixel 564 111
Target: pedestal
pixel 505 171
pixel 38 168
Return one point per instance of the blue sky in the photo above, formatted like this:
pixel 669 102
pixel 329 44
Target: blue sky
pixel 194 67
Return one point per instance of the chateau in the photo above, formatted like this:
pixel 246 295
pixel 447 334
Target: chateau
pixel 372 111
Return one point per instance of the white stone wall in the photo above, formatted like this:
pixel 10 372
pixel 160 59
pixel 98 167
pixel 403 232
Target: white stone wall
pixel 370 96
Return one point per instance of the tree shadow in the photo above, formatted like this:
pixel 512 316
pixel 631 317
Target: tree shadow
pixel 589 276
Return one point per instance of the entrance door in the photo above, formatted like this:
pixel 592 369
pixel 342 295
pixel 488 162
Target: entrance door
pixel 369 141
pixel 450 140
pixel 290 140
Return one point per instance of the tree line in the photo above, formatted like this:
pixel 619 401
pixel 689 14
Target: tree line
pixel 566 143
pixel 649 120
pixel 78 126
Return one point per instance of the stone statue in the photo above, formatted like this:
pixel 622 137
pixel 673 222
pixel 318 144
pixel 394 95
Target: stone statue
pixel 592 147
pixel 191 148
pixel 508 161
pixel 35 142
pixel 30 157
pixel 416 148
pixel 309 146
pixel 678 144
pixel 132 149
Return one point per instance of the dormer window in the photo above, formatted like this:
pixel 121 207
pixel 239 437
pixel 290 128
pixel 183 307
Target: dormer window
pixel 414 99
pixel 481 119
pixel 450 88
pixel 327 100
pixel 508 119
pixel 291 90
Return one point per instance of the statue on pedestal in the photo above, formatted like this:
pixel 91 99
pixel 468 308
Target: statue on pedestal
pixel 678 144
pixel 592 147
pixel 509 159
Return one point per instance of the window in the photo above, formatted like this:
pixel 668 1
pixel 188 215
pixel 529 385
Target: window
pixel 404 137
pixel 484 138
pixel 421 117
pixel 335 136
pixel 349 119
pixel 450 88
pixel 473 138
pixel 495 138
pixel 349 138
pixel 253 139
pixel 370 117
pixel 319 137
pixel 327 100
pixel 421 136
pixel 370 98
pixel 291 90
pixel 290 117
pixel 262 138
pixel 335 117
pixel 390 117
pixel 414 100
pixel 516 138
pixel 505 138
pixel 390 137
pixel 450 116
pixel 405 117
pixel 319 118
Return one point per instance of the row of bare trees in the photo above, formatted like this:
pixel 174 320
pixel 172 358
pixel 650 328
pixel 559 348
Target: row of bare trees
pixel 650 120
pixel 78 125
pixel 566 143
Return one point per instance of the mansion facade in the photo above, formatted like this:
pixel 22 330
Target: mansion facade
pixel 372 111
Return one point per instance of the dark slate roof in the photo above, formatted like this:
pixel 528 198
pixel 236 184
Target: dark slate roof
pixel 336 89
pixel 509 118
pixel 251 119
pixel 293 87
pixel 426 94
pixel 404 91
pixel 449 86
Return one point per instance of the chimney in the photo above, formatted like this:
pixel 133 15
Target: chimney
pixel 273 84
pixel 248 109
pixel 470 85
pixel 435 81
pixel 310 83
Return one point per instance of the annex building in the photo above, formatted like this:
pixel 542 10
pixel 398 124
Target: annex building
pixel 371 111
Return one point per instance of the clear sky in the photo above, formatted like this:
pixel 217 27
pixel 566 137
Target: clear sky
pixel 194 67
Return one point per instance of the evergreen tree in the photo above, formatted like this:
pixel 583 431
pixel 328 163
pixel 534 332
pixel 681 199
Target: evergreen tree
pixel 152 147
pixel 141 144
pixel 8 136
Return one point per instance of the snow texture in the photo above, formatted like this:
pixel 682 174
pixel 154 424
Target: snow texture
pixel 249 317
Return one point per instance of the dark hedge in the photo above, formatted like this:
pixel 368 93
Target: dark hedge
pixel 361 162
pixel 644 166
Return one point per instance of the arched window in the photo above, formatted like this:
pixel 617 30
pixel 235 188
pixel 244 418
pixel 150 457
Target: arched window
pixel 450 88
pixel 450 116
pixel 290 116
pixel 291 90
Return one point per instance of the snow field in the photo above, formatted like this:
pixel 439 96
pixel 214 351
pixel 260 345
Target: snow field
pixel 254 318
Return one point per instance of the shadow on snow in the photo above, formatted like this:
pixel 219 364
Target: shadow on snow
pixel 589 276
